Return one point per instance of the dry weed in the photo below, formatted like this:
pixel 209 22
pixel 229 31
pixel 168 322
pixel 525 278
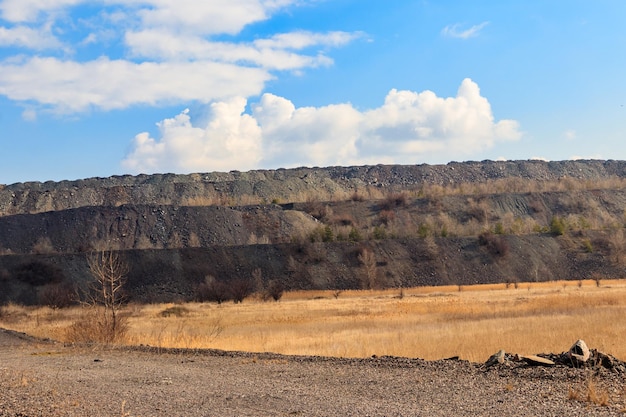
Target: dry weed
pixel 590 393
pixel 427 322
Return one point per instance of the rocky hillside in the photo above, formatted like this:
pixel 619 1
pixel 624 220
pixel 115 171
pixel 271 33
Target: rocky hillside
pixel 354 227
pixel 284 185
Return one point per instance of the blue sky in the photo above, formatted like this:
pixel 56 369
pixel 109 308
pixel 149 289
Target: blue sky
pixel 107 87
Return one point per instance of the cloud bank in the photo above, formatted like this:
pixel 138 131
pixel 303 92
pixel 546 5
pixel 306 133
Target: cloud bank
pixel 408 127
pixel 69 56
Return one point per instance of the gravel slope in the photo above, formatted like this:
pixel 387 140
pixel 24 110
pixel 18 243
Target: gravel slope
pixel 47 379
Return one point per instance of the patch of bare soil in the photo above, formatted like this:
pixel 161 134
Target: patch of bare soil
pixel 39 378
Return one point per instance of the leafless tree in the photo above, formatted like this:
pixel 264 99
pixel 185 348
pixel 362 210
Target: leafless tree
pixel 109 273
pixel 368 260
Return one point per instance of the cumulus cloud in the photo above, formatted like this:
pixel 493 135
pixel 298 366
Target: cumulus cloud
pixel 173 51
pixel 187 148
pixel 408 127
pixel 456 31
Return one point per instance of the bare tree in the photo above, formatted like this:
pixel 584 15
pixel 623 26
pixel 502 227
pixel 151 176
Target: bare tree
pixel 109 273
pixel 368 260
pixel 616 244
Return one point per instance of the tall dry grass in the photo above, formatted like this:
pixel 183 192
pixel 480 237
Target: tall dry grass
pixel 429 323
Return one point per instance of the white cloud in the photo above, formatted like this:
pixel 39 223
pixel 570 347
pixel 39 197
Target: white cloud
pixel 71 87
pixel 23 36
pixel 205 17
pixel 170 54
pixel 29 115
pixel 302 39
pixel 308 135
pixel 228 136
pixel 455 31
pixel 160 45
pixel 30 10
pixel 408 128
pixel 424 123
pixel 569 134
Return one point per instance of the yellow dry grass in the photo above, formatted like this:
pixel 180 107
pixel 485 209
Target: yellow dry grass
pixel 430 323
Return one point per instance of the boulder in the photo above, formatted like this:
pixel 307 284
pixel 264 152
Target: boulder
pixel 537 360
pixel 579 352
pixel 497 358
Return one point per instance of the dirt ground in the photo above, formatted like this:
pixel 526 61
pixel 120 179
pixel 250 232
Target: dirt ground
pixel 39 378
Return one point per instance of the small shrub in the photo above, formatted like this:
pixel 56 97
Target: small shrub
pixel 355 235
pixel 176 311
pixel 43 245
pixel 379 233
pixel 343 220
pixel 357 197
pixel 591 393
pixel 57 296
pixel 393 201
pixel 496 245
pixel 587 246
pixel 557 226
pixel 275 290
pixel 212 290
pixel 386 217
pixel 499 229
pixel 95 327
pixel 423 230
pixel 240 289
pixel 328 235
pixel 316 209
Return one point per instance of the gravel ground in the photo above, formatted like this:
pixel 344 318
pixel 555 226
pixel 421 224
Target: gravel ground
pixel 39 378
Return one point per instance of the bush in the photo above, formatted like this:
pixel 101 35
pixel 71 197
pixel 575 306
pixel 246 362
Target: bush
pixel 43 245
pixel 393 201
pixel 557 226
pixel 176 311
pixel 328 235
pixel 386 217
pixel 213 290
pixel 355 235
pixel 240 289
pixel 423 230
pixel 95 327
pixel 57 296
pixel 343 220
pixel 379 233
pixel 496 245
pixel 274 290
pixel 357 197
pixel 316 209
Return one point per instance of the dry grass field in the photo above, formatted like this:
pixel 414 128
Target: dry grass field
pixel 428 322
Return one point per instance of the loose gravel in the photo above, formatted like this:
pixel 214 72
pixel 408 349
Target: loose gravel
pixel 44 378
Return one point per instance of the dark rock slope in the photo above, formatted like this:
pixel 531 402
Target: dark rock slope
pixel 305 229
